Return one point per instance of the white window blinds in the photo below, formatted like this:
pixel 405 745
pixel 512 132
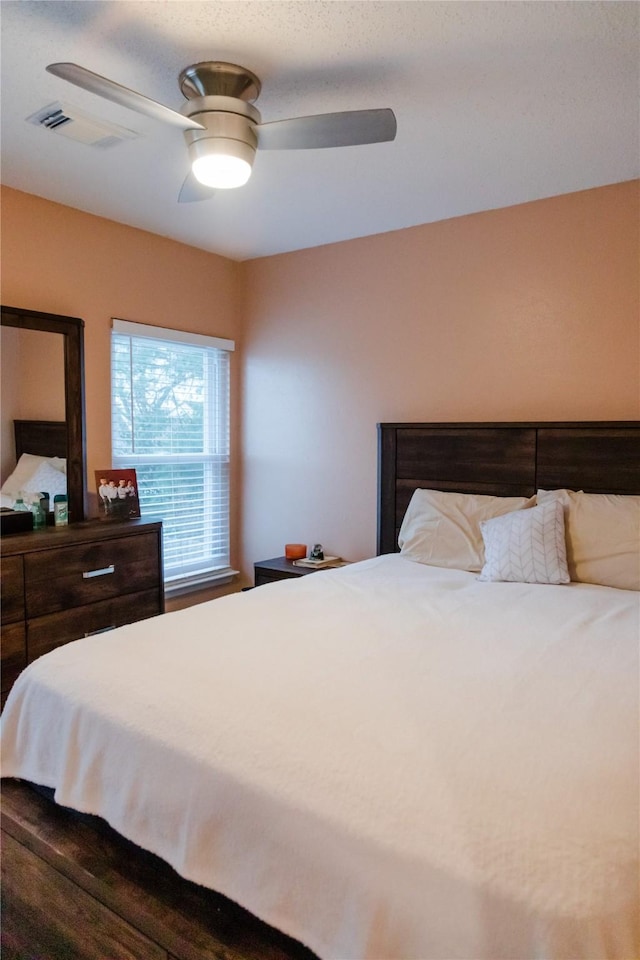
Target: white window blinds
pixel 170 421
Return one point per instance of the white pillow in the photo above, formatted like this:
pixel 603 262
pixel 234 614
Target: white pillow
pixel 603 536
pixel 58 463
pixel 46 479
pixel 25 467
pixel 526 546
pixel 443 529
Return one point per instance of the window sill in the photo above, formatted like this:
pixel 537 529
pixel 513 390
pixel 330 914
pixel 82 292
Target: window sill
pixel 177 586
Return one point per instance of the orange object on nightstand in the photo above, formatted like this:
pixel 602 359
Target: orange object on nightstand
pixel 295 551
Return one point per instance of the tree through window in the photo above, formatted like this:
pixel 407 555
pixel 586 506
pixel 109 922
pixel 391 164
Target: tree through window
pixel 170 420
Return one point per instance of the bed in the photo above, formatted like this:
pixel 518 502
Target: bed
pixel 396 759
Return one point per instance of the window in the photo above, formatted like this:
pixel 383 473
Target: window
pixel 170 421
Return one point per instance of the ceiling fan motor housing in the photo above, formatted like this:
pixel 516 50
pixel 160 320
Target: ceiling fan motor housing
pixel 229 127
pixel 218 78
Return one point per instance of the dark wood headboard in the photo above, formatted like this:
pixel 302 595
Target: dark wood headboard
pixel 46 438
pixel 501 459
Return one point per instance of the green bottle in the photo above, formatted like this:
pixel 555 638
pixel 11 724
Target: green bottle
pixel 38 515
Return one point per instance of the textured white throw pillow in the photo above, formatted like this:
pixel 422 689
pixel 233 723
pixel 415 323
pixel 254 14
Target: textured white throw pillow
pixel 443 528
pixel 527 546
pixel 603 536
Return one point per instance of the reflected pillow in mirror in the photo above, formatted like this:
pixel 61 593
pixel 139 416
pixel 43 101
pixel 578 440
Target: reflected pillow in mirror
pixel 27 465
pixel 46 479
pixel 58 463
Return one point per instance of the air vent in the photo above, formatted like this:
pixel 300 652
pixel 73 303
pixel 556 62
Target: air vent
pixel 70 122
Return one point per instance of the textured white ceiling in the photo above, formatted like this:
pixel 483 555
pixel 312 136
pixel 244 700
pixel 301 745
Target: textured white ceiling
pixel 497 103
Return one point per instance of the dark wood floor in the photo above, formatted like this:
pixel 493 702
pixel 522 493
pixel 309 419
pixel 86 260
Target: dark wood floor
pixel 73 889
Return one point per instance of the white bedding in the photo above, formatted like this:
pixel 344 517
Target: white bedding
pixel 387 761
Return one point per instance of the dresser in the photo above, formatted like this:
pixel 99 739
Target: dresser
pixel 63 583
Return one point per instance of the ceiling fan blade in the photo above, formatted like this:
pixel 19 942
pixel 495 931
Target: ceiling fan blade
pixel 192 190
pixel 328 130
pixel 111 90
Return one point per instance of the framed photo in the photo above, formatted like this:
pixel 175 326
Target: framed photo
pixel 117 494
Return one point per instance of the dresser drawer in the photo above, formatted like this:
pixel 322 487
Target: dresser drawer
pixel 261 577
pixel 278 568
pixel 12 590
pixel 14 656
pixel 47 633
pixel 86 573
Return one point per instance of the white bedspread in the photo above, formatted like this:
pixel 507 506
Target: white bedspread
pixel 386 761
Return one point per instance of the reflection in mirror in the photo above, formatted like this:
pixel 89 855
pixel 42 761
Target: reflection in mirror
pixel 32 378
pixel 43 398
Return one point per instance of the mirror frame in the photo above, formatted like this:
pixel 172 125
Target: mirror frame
pixel 72 329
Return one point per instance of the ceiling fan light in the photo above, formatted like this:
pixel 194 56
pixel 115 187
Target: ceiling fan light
pixel 221 162
pixel 221 171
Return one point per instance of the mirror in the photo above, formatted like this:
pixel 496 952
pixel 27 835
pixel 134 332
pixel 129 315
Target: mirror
pixel 71 367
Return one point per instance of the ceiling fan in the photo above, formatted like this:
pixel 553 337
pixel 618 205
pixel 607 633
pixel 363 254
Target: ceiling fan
pixel 223 129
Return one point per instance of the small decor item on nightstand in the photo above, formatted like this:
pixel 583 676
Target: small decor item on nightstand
pixel 117 494
pixel 317 553
pixel 295 551
pixel 323 564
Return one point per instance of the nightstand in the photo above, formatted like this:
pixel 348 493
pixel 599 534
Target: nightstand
pixel 279 568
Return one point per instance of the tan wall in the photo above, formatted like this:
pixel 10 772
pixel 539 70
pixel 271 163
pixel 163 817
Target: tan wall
pixel 61 260
pixel 529 312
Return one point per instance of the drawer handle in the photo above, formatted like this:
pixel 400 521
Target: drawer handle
pixel 93 633
pixel 99 573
